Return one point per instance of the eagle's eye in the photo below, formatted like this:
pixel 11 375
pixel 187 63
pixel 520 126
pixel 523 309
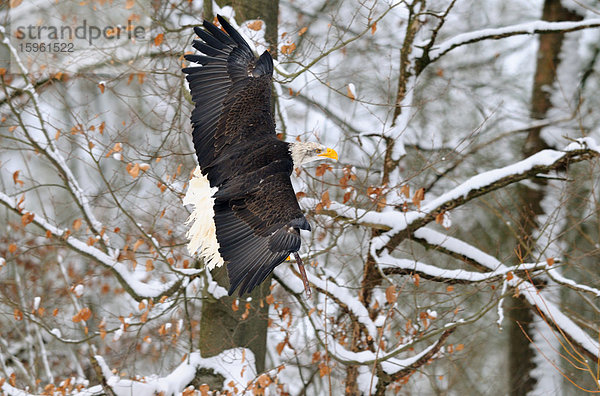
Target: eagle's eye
pixel 318 151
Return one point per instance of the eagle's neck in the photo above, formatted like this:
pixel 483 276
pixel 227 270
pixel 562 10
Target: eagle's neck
pixel 296 155
pixel 299 152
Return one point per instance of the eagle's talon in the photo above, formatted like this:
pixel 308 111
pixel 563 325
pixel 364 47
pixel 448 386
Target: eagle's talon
pixel 303 275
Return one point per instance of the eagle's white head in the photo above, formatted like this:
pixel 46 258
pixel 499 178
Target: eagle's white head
pixel 303 152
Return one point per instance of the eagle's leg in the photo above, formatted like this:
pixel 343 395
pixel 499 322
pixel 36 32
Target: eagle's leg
pixel 303 274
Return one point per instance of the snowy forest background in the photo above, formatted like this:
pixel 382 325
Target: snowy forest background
pixel 455 243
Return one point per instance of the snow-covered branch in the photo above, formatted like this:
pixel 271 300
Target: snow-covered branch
pixel 399 266
pixel 483 183
pixel 401 224
pixel 534 27
pixel 387 358
pixel 48 148
pixel 551 312
pixel 236 366
pixel 130 281
pixel 412 223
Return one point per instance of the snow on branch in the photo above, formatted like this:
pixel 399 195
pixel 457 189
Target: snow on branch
pixel 548 310
pixel 136 288
pixel 345 299
pixel 557 277
pixel 49 149
pixel 400 225
pixel 481 184
pixel 388 359
pixel 392 265
pixel 236 366
pixel 534 27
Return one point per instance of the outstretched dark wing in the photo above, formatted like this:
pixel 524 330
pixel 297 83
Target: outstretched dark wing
pixel 257 216
pixel 257 231
pixel 232 93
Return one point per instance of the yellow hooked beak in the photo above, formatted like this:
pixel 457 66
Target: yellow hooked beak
pixel 330 153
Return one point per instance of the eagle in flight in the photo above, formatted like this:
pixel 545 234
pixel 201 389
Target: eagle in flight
pixel 245 214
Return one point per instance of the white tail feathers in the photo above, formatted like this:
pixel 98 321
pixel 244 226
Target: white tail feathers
pixel 202 233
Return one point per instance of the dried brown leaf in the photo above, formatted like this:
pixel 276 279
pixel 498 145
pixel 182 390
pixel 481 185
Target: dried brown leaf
pixel 418 197
pixel 325 199
pixel 255 25
pixel 417 279
pixel 27 218
pixel 390 294
pixel 288 49
pixel 350 93
pixel 405 190
pixel 133 170
pixel 16 178
pixel 321 169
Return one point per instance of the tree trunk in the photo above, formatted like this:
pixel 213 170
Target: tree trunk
pixel 521 353
pixel 222 326
pixel 229 324
pixel 266 10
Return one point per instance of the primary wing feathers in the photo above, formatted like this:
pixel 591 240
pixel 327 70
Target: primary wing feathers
pixel 257 216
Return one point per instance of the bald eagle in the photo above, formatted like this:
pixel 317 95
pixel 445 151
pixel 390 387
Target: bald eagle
pixel 246 213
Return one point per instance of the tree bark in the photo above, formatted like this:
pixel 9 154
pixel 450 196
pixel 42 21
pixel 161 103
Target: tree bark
pixel 266 10
pixel 227 323
pixel 521 353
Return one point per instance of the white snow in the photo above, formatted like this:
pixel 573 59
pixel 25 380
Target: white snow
pixel 500 309
pixel 352 90
pixel 556 276
pixel 525 288
pixel 235 365
pixel 118 333
pixel 344 295
pixel 78 290
pixel 385 260
pixel 213 287
pixel 522 28
pixel 152 289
